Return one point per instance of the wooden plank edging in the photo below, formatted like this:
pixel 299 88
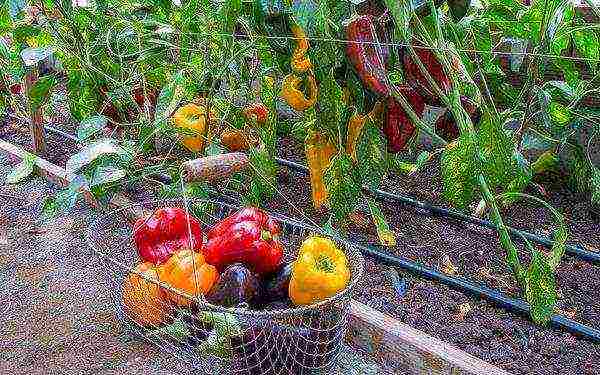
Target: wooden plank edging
pixel 402 349
pixel 48 170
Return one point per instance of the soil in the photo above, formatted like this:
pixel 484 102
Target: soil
pixel 490 333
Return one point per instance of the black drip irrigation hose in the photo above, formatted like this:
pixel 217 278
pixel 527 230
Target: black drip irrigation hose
pixel 479 291
pixel 499 299
pixel 571 249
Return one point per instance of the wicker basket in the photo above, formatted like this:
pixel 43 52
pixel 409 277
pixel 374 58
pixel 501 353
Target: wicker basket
pixel 285 341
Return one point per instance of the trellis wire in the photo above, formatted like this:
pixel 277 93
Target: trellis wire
pixel 295 340
pixel 384 44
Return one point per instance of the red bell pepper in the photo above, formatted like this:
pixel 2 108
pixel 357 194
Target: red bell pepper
pixel 257 110
pixel 164 232
pixel 249 236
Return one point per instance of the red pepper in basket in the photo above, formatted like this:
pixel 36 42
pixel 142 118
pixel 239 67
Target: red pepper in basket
pixel 366 57
pixel 398 127
pixel 165 232
pixel 248 236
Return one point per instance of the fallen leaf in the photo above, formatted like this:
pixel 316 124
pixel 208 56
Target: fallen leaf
pixel 447 267
pixel 463 310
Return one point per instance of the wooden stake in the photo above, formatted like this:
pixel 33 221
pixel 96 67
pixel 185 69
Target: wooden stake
pixel 36 125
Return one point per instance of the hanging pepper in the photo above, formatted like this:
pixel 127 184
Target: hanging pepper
pixel 300 62
pixel 398 127
pixel 319 151
pixel 446 126
pixel 249 236
pixel 164 232
pixel 256 111
pixel 366 57
pixel 356 124
pixel 294 97
pixel 193 118
pixel 417 80
pixel 320 271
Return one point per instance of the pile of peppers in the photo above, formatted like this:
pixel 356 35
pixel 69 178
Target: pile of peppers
pixel 240 263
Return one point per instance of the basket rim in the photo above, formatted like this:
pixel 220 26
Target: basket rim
pixel 201 302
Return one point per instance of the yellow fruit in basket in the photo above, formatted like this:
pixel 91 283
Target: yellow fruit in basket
pixel 188 272
pixel 143 299
pixel 320 271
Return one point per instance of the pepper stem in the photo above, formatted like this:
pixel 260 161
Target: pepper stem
pixel 324 263
pixel 265 235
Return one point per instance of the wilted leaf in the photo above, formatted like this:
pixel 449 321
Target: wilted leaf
pixel 447 266
pixel 540 288
pixel 386 236
pixel 21 170
pixel 546 162
pixel 91 152
pixel 90 126
pixel 463 310
pixel 398 282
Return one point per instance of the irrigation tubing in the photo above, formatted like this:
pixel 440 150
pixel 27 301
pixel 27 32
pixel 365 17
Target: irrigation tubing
pixel 571 249
pixel 479 291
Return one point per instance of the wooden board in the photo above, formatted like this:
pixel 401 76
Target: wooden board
pixel 52 172
pixel 401 349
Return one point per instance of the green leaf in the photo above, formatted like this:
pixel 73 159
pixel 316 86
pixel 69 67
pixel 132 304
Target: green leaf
pixel 546 162
pixel 105 175
pixel 559 114
pixel 459 169
pixel 370 154
pixel 91 126
pixel 595 185
pixel 587 44
pixel 497 148
pixel 331 104
pixel 21 170
pixel 386 236
pixel 91 152
pixel 343 184
pixel 15 7
pixel 169 99
pixel 540 288
pixel 40 91
pixel 64 199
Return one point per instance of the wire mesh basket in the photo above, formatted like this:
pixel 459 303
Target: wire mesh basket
pixel 215 339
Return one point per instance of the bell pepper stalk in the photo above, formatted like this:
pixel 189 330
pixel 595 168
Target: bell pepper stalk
pixel 295 98
pixel 320 271
pixel 163 233
pixel 249 236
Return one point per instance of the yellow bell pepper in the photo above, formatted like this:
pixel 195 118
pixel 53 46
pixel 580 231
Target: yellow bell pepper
pixel 192 118
pixel 294 97
pixel 320 271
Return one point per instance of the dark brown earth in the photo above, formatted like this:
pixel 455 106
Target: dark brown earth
pixel 495 335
